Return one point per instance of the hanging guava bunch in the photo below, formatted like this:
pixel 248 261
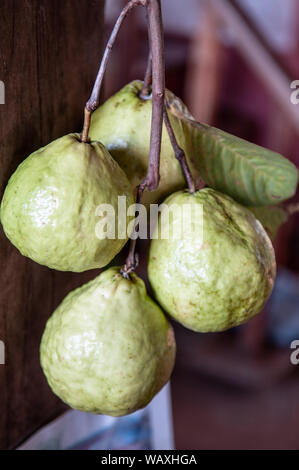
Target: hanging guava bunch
pixel 108 348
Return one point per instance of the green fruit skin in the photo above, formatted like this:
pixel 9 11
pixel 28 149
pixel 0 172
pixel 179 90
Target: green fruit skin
pixel 123 125
pixel 48 208
pixel 108 348
pixel 221 281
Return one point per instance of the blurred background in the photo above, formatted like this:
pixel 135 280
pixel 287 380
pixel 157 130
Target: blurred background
pixel 232 62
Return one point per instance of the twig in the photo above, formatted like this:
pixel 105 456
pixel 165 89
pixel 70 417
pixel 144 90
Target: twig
pixel 132 260
pixel 94 99
pixel 151 181
pixel 86 125
pixel 145 91
pixel 179 153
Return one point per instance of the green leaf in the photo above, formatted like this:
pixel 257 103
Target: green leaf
pixel 252 175
pixel 271 218
pixel 249 173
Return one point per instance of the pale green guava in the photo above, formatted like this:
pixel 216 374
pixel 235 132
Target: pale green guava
pixel 123 125
pixel 108 348
pixel 218 281
pixel 48 210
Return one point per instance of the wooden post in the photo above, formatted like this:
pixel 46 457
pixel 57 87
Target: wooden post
pixel 49 55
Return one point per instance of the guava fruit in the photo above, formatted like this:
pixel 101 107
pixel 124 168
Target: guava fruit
pixel 108 348
pixel 48 210
pixel 220 272
pixel 123 125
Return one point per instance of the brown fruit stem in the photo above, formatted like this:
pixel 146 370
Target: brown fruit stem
pixel 151 180
pixel 156 64
pixel 94 99
pixel 132 260
pixel 145 91
pixel 179 153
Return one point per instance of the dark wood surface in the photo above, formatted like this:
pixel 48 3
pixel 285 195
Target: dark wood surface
pixel 49 54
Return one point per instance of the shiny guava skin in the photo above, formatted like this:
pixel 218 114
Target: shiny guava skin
pixel 217 282
pixel 108 348
pixel 123 125
pixel 48 210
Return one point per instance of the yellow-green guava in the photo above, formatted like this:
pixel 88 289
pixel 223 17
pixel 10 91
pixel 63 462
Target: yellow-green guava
pixel 48 210
pixel 123 125
pixel 215 281
pixel 108 348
